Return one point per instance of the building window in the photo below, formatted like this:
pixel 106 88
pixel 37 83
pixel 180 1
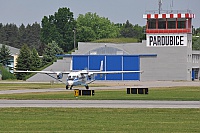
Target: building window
pixel 152 24
pixel 181 24
pixel 171 23
pixel 161 23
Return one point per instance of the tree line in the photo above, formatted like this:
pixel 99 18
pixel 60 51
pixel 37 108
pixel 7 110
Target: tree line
pixel 14 36
pixel 61 28
pixel 29 59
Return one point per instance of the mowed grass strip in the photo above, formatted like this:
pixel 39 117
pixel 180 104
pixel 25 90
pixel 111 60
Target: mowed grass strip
pixel 175 94
pixel 99 120
pixel 22 86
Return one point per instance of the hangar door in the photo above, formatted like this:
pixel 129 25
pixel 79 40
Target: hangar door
pixel 111 63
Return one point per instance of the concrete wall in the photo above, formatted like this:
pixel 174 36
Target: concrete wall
pixel 170 64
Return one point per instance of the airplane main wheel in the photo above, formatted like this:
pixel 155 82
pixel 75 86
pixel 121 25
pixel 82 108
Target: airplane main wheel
pixel 67 87
pixel 87 87
pixel 71 87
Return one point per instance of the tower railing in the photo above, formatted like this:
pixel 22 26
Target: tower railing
pixel 167 11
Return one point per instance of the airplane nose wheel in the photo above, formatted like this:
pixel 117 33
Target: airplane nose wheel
pixel 67 87
pixel 87 87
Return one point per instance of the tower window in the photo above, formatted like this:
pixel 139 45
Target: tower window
pixel 152 24
pixel 171 23
pixel 181 23
pixel 161 23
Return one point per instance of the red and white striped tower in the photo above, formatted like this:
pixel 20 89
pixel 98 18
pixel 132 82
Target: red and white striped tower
pixel 168 29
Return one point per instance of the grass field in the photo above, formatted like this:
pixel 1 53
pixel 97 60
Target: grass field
pixel 21 86
pixel 86 120
pixel 99 120
pixel 175 93
pixel 117 40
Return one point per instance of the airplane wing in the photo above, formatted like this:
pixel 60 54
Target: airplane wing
pixel 43 72
pixel 92 72
pixel 111 72
pixel 116 72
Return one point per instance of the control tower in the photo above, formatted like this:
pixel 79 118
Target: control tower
pixel 170 31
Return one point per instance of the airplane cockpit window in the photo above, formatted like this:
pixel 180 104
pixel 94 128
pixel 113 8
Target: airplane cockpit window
pixel 72 77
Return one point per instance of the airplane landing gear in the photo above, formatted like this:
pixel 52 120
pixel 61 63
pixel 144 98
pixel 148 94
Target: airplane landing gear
pixel 87 87
pixel 67 87
pixel 71 87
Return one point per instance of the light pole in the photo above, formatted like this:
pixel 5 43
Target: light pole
pixel 74 30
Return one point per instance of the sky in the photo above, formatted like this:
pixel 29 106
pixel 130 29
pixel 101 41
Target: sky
pixel 117 11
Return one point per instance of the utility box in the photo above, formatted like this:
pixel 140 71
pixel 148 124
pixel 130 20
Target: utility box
pixel 76 92
pixel 86 92
pixel 137 91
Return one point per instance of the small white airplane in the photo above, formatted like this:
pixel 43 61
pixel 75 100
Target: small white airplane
pixel 76 78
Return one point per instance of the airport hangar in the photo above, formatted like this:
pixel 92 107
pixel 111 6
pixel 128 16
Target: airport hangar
pixel 165 55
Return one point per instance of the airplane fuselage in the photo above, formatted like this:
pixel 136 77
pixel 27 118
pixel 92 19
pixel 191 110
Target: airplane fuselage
pixel 75 79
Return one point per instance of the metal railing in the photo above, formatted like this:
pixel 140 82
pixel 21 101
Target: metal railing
pixel 167 11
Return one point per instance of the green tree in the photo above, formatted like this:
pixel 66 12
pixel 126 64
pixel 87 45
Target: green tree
pixel 92 27
pixel 196 39
pixel 13 36
pixel 32 36
pixel 59 28
pixel 138 31
pixel 6 74
pixel 50 52
pixel 85 34
pixel 23 61
pixel 5 55
pixel 1 32
pixel 198 31
pixel 10 36
pixel 127 30
pixel 35 60
pixel 22 35
pixel 196 42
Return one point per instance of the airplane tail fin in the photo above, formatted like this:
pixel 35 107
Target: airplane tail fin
pixel 101 67
pixel 71 65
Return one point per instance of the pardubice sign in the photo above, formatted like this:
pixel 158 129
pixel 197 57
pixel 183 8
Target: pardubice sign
pixel 162 40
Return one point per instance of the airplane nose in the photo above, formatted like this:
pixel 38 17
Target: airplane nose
pixel 70 83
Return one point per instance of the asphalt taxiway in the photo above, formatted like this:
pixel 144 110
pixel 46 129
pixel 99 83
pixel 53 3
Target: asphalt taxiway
pixel 99 104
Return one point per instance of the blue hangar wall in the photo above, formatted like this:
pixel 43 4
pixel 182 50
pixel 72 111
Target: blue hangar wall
pixel 110 63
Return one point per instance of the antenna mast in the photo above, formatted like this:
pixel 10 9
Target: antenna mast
pixel 159 4
pixel 171 5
